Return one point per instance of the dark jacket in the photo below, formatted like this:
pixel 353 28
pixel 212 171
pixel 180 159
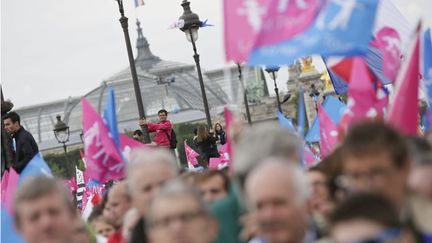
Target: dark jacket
pixel 26 148
pixel 220 136
pixel 208 148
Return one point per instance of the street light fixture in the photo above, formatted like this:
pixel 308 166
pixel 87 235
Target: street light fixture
pixel 273 73
pixel 286 98
pixel 62 133
pixel 190 28
pixel 124 23
pixel 314 94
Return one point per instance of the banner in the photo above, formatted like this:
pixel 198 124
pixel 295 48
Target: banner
pixel 342 28
pixel 104 161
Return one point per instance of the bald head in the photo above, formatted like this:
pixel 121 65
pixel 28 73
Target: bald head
pixel 277 191
pixel 261 142
pixel 147 171
pixel 118 202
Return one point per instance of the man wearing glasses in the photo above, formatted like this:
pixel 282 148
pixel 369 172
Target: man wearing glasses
pixel 177 214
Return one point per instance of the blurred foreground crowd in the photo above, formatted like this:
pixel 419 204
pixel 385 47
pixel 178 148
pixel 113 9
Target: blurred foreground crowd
pixel 376 186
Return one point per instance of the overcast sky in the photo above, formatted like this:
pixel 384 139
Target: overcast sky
pixel 52 49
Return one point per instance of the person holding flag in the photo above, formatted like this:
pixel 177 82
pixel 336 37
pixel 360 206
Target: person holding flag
pixel 163 130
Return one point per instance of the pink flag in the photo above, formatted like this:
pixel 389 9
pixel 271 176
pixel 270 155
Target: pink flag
pixel 261 22
pixel 104 161
pixel 363 101
pixel 388 41
pixel 404 111
pixel 9 193
pixel 71 183
pixel 191 155
pixel 216 163
pixel 224 155
pixel 308 156
pixel 228 122
pixel 4 183
pixel 242 23
pixel 286 18
pixel 328 132
pixel 127 144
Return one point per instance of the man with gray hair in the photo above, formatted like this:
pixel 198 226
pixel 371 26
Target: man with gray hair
pixel 178 214
pixel 146 172
pixel 261 142
pixel 44 211
pixel 279 201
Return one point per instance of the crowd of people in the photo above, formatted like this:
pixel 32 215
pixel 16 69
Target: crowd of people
pixel 374 187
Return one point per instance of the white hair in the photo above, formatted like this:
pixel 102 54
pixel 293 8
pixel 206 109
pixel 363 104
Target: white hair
pixel 261 142
pixel 146 157
pixel 293 172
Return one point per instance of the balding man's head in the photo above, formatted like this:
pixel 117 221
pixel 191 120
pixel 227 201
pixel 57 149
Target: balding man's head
pixel 277 192
pixel 146 172
pixel 261 142
pixel 118 202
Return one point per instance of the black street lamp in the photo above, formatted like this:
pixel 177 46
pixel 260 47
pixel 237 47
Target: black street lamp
pixel 190 28
pixel 124 23
pixel 245 100
pixel 314 94
pixel 273 73
pixel 62 133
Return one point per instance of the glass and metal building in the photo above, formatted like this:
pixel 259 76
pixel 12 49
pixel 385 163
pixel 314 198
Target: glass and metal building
pixel 164 84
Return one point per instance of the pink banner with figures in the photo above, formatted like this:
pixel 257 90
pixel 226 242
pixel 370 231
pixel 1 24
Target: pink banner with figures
pixel 250 23
pixel 242 24
pixel 127 144
pixel 388 41
pixel 104 161
pixel 286 18
pixel 363 101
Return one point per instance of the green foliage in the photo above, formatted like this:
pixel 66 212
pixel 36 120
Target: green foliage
pixel 62 167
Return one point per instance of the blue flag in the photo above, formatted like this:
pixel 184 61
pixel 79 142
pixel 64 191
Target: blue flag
pixel 342 28
pixel 285 122
pixel 426 119
pixel 335 109
pixel 110 117
pixel 374 61
pixel 36 167
pixel 8 233
pixel 427 65
pixel 301 114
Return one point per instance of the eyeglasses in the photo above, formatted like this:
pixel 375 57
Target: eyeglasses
pixel 185 217
pixel 382 237
pixel 373 174
pixel 212 191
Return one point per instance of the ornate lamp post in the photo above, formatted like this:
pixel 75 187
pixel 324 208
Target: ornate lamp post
pixel 273 73
pixel 245 100
pixel 190 28
pixel 124 23
pixel 62 133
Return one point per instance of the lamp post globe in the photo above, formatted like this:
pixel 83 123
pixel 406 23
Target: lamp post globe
pixel 61 131
pixel 191 22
